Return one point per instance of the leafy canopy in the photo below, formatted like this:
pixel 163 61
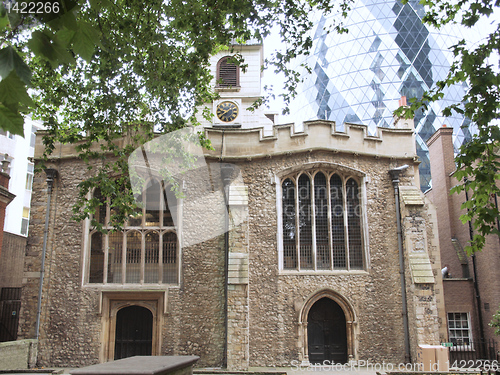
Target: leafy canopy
pixel 95 70
pixel 101 69
pixel 477 160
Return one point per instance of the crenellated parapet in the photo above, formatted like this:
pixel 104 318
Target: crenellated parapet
pixel 316 135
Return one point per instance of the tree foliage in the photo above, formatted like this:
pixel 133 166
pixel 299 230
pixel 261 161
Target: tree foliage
pixel 495 322
pixel 100 69
pixel 97 70
pixel 477 160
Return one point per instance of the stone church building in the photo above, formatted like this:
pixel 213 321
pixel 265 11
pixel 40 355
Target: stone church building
pixel 284 248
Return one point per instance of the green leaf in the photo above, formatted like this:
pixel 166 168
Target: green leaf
pixel 4 18
pixel 85 39
pixel 13 91
pixel 46 46
pixel 67 20
pixel 65 36
pixel 9 61
pixel 11 121
pixel 56 20
pixel 14 19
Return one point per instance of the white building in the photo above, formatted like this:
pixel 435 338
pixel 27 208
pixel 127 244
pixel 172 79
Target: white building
pixel 18 151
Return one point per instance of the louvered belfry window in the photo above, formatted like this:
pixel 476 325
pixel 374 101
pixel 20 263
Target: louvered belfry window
pixel 227 73
pixel 322 222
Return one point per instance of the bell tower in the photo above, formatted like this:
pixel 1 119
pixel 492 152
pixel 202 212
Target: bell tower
pixel 238 87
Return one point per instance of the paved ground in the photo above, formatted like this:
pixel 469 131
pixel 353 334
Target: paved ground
pixel 323 370
pixel 295 370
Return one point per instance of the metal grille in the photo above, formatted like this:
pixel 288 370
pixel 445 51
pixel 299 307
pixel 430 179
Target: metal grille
pixel 151 250
pixel 321 222
pixel 338 231
pixel 133 269
pixel 305 225
pixel 354 225
pixel 115 257
pixel 169 257
pixel 134 332
pixel 228 73
pixel 96 268
pixel 289 225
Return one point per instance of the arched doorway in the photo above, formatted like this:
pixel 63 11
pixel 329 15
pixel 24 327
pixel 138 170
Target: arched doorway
pixel 134 332
pixel 326 332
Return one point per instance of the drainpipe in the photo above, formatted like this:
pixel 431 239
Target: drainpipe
pixel 51 175
pixel 476 284
pixel 394 173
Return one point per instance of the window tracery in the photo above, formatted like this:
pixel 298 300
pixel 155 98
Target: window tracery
pixel 321 221
pixel 144 252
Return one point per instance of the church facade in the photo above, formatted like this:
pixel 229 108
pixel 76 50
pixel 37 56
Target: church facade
pixel 283 249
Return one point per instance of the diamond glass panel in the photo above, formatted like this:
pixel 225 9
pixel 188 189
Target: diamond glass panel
pixel 404 54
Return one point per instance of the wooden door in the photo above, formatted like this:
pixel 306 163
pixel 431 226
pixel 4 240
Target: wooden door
pixel 326 333
pixel 134 332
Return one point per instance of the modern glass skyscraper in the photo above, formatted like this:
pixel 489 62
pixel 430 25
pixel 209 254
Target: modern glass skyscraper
pixel 359 77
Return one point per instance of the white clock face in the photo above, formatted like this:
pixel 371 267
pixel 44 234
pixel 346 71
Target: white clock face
pixel 227 111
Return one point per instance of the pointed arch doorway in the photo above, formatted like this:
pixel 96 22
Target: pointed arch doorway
pixel 327 329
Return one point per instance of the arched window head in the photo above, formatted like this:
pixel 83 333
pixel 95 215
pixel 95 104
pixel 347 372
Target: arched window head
pixel 228 74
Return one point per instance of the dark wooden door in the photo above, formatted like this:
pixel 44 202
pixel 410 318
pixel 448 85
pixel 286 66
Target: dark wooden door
pixel 326 333
pixel 10 304
pixel 134 332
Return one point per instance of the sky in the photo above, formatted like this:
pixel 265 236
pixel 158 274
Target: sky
pixel 272 43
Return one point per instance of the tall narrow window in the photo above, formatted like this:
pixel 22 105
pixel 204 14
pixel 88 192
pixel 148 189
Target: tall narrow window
pixel 151 257
pixel 289 225
pixel 321 215
pixel 169 257
pixel 96 272
pixel 337 212
pixel 145 252
pixel 354 224
pixel 227 73
pixel 25 221
pixel 29 176
pixel 321 222
pixel 459 329
pixel 305 222
pixel 115 257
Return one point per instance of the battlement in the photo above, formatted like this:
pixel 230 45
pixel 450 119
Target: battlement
pixel 317 135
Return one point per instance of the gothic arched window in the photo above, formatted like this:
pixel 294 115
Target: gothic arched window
pixel 321 222
pixel 145 251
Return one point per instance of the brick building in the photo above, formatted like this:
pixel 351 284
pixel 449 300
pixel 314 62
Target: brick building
pixel 299 261
pixel 469 312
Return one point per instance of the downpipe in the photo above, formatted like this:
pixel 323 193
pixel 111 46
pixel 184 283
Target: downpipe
pixel 475 281
pixel 51 176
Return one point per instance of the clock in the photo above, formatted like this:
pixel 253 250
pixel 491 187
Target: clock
pixel 227 111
